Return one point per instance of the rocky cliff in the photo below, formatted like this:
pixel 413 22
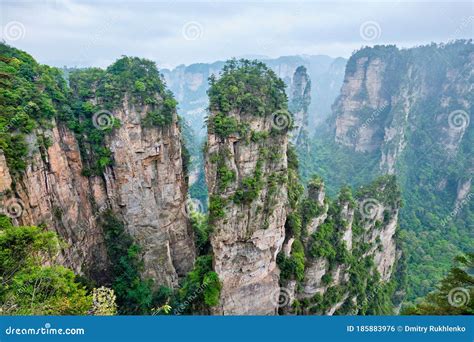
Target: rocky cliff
pixel 386 92
pixel 407 112
pixel 350 250
pixel 53 192
pixel 100 162
pixel 300 99
pixel 113 144
pixel 148 189
pixel 246 171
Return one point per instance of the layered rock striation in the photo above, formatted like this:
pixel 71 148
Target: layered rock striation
pixel 246 170
pixel 386 94
pixel 408 112
pixel 349 246
pixel 300 100
pixel 114 145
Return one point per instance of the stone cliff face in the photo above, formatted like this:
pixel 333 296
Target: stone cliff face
pixel 248 238
pixel 348 244
pixel 408 112
pixel 53 192
pixel 249 231
pixel 386 92
pixel 366 79
pixel 148 189
pixel 300 99
pixel 143 184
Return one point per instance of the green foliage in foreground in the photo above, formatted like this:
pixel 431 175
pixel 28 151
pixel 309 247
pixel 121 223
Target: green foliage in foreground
pixel 200 289
pixel 29 288
pixel 454 295
pixel 134 295
pixel 103 302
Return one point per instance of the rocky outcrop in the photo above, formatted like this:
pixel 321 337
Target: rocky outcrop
pixel 148 189
pixel 141 181
pixel 248 238
pixel 384 93
pixel 300 99
pixel 408 112
pixel 53 192
pixel 362 229
pixel 248 203
pixel 352 127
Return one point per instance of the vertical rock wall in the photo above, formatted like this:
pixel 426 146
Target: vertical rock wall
pixel 248 238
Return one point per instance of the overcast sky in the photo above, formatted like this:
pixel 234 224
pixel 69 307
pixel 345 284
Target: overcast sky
pixel 172 32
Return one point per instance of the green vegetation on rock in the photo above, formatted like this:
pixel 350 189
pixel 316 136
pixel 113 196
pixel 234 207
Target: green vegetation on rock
pixel 97 94
pixel 248 87
pixel 31 96
pixel 134 295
